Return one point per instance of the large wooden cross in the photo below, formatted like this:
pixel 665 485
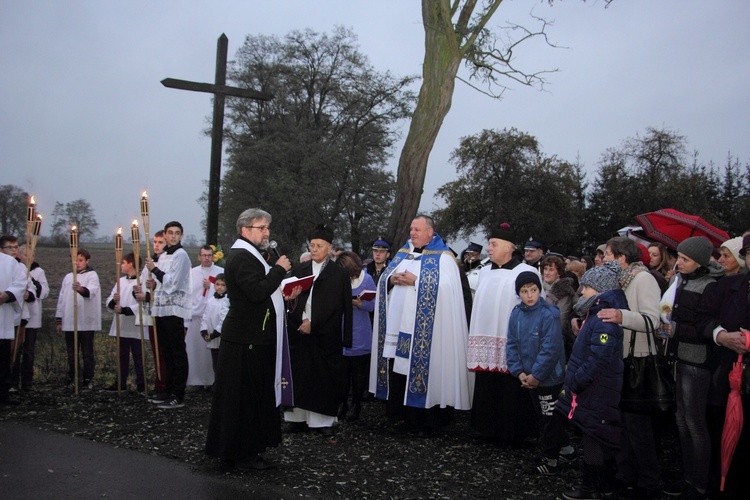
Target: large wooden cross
pixel 220 90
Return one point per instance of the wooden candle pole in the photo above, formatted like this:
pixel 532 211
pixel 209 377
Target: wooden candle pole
pixel 136 236
pixel 146 222
pixel 74 260
pixel 118 261
pixel 21 330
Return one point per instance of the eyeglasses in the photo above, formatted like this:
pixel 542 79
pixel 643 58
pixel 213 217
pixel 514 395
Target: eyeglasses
pixel 262 228
pixel 14 247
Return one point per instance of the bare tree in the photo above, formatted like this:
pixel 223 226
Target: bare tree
pixel 455 31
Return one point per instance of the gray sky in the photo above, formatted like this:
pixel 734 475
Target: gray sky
pixel 83 114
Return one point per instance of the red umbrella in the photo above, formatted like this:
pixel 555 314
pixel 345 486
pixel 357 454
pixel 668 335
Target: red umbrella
pixel 734 417
pixel 672 227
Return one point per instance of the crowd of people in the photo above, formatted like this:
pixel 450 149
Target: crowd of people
pixel 529 341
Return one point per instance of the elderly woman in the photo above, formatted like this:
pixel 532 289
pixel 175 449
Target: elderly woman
pixel 730 258
pixel 561 293
pixel 357 357
pixel 319 327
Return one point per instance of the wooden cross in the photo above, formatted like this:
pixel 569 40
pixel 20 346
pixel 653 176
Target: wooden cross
pixel 220 90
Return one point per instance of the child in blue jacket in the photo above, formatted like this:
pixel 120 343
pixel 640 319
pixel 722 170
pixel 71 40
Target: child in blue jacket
pixel 590 397
pixel 536 356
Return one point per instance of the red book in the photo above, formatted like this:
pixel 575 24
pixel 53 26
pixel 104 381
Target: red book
pixel 289 284
pixel 367 295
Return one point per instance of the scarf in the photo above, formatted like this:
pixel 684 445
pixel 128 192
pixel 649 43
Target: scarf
pixel 627 274
pixel 581 308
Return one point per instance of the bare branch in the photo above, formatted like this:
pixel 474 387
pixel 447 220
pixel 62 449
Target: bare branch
pixel 485 92
pixel 486 63
pixel 477 29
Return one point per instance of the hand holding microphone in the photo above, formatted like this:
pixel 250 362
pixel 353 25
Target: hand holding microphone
pixel 281 260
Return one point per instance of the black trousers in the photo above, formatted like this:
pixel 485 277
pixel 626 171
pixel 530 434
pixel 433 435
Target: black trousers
pixel 24 363
pixel 171 332
pixel 86 348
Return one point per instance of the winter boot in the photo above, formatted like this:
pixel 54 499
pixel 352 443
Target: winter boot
pixel 590 488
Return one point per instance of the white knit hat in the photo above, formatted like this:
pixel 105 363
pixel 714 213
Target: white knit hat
pixel 735 245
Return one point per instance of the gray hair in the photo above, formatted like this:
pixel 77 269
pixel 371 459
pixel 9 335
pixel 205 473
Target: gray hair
pixel 250 216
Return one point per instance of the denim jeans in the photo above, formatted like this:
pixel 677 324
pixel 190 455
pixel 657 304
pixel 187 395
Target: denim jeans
pixel 693 383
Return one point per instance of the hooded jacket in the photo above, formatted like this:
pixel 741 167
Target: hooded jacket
pixel 594 376
pixel 535 343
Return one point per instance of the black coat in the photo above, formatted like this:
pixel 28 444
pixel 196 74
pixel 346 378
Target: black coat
pixel 727 304
pixel 251 318
pixel 317 359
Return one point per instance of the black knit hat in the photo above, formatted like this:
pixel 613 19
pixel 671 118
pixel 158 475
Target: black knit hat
pixel 697 248
pixel 321 232
pixel 525 278
pixel 745 245
pixel 503 232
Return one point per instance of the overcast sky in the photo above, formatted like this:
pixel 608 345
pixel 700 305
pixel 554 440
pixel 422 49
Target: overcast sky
pixel 83 113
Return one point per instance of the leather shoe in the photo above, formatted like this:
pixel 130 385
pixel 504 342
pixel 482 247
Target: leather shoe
pixel 354 413
pixel 326 431
pixel 295 427
pixel 255 462
pixel 342 411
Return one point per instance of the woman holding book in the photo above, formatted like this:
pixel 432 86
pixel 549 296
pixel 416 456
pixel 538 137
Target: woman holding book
pixel 357 357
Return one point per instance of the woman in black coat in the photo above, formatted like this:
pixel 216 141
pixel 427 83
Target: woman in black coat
pixel 319 324
pixel 729 306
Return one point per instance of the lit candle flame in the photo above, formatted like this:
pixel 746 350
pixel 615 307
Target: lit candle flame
pixel 32 200
pixel 144 195
pixel 74 228
pixel 135 222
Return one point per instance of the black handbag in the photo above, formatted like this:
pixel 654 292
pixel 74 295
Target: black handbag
pixel 647 382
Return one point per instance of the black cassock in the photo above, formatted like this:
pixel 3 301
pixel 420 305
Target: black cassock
pixel 317 359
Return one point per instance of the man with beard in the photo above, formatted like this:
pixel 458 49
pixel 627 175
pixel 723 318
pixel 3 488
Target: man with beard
pixel 244 417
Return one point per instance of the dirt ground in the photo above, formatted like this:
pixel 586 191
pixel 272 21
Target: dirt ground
pixel 367 459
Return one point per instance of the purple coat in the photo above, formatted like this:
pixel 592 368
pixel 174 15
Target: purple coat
pixel 361 326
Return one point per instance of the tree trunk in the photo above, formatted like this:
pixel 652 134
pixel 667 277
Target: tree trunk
pixel 441 62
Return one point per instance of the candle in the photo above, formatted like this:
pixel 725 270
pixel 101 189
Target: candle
pixel 31 210
pixel 118 241
pixel 144 204
pixel 74 237
pixel 37 225
pixel 135 233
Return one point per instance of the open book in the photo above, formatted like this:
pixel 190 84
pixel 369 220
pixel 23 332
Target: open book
pixel 367 295
pixel 289 284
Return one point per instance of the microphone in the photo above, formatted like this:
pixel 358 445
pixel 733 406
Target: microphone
pixel 273 247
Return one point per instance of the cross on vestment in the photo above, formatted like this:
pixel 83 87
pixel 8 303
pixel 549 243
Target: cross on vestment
pixel 284 383
pixel 220 90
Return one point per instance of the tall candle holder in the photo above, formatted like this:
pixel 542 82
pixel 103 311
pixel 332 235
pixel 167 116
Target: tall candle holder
pixel 74 261
pixel 118 261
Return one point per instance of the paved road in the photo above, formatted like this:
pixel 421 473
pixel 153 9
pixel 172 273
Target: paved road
pixel 37 464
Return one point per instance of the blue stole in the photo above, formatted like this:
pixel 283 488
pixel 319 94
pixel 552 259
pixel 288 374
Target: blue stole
pixel 421 343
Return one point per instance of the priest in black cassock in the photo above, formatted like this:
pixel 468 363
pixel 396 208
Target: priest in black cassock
pixel 244 418
pixel 319 327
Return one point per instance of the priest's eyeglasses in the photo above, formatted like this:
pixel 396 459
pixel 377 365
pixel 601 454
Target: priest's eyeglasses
pixel 262 228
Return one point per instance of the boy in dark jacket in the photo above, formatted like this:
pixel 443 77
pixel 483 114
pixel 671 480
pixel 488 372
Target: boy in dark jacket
pixel 591 394
pixel 536 356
